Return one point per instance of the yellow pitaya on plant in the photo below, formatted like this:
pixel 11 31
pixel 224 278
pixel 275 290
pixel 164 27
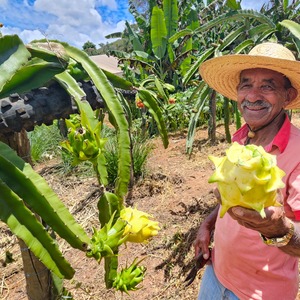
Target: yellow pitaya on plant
pixel 139 227
pixel 247 176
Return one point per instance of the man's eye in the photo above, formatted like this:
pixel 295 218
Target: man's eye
pixel 267 88
pixel 244 86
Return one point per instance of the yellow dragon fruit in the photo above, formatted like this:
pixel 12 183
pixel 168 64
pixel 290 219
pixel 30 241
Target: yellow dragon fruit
pixel 139 227
pixel 247 176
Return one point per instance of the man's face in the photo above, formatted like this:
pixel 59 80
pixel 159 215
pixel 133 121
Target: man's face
pixel 261 94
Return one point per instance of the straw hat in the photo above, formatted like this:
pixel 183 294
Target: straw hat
pixel 223 73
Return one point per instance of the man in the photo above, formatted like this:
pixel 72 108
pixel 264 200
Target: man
pixel 255 257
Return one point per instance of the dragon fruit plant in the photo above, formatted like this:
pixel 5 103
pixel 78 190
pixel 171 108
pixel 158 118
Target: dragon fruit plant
pixel 118 224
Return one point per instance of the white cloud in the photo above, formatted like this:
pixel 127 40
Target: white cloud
pixel 73 22
pixel 109 3
pixel 25 35
pixel 30 35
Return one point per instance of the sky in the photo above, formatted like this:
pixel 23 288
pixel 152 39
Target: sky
pixel 71 21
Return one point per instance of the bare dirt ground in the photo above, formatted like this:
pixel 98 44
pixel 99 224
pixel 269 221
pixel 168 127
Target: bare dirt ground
pixel 175 191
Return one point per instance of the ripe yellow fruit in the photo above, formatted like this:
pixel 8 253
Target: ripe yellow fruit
pixel 247 176
pixel 139 227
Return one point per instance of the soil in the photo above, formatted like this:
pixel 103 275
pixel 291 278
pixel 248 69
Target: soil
pixel 174 190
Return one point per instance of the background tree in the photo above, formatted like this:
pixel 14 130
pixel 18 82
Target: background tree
pixel 89 48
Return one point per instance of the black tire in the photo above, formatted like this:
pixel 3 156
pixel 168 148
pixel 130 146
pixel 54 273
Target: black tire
pixel 41 106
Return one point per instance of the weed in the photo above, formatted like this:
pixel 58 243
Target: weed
pixel 44 141
pixel 140 151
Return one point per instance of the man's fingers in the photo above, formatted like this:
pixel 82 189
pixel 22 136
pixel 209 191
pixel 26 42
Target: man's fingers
pixel 245 213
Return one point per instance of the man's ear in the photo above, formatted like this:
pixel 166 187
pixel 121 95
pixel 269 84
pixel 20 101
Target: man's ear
pixel 292 93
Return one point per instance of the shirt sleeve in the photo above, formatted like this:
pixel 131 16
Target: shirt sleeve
pixel 293 197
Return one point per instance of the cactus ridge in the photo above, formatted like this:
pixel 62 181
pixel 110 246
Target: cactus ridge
pixel 24 224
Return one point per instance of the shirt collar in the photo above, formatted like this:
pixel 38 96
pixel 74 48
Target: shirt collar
pixel 280 140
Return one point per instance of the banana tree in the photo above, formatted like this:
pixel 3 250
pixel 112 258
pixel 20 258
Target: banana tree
pixel 28 67
pixel 179 42
pixel 152 53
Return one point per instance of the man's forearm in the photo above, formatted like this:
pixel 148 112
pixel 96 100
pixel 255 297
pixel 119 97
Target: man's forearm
pixel 210 221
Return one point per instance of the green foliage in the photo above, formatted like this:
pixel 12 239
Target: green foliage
pixel 44 141
pixel 177 111
pixel 65 166
pixel 153 107
pixel 105 241
pixel 111 156
pixel 21 71
pixel 21 187
pixel 114 108
pixel 88 45
pixel 177 115
pixel 141 150
pixel 223 28
pixel 153 52
pixel 158 33
pixel 32 232
pixel 89 48
pixel 20 184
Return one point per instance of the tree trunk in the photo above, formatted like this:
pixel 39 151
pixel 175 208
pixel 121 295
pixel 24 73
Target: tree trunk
pixel 212 118
pixel 38 277
pixel 227 120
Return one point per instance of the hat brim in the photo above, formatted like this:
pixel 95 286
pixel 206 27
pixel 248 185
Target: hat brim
pixel 223 73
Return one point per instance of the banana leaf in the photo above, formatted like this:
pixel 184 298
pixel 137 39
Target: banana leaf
pixel 171 16
pixel 158 33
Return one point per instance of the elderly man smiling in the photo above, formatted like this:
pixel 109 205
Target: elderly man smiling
pixel 255 257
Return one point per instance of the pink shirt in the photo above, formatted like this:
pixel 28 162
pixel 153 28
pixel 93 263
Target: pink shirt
pixel 242 262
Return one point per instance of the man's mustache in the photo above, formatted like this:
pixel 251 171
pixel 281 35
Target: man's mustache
pixel 257 103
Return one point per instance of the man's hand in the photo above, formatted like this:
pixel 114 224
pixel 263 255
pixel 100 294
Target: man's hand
pixel 205 233
pixel 202 242
pixel 275 224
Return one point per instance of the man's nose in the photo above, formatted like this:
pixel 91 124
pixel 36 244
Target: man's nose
pixel 253 94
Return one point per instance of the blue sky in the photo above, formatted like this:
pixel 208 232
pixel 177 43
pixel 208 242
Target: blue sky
pixel 72 21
